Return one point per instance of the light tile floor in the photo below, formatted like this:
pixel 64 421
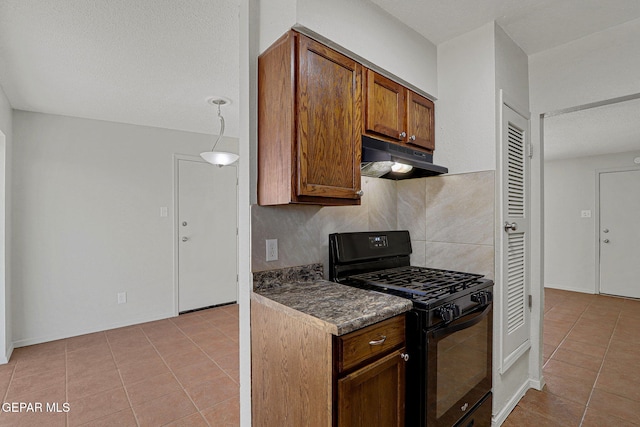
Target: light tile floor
pixel 591 364
pixel 180 372
pixel 184 371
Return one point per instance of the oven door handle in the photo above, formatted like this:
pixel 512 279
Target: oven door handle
pixel 463 325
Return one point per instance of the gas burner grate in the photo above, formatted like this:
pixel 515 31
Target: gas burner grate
pixel 424 284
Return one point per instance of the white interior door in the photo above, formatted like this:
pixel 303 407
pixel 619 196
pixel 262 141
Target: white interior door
pixel 514 237
pixel 620 233
pixel 207 236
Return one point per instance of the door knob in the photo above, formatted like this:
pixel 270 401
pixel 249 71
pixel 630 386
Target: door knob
pixel 184 239
pixel 184 223
pixel 513 226
pixel 606 240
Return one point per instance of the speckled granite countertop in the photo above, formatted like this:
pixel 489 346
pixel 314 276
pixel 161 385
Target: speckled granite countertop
pixel 337 309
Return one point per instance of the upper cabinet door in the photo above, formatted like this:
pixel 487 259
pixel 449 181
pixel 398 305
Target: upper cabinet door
pixel 420 121
pixel 329 122
pixel 385 107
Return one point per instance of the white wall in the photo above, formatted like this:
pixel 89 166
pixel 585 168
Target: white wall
pixel 511 65
pixel 598 67
pixel 601 66
pixel 247 184
pixel 360 27
pixel 368 31
pixel 570 241
pixel 276 17
pixel 512 68
pixel 466 111
pixel 86 208
pixel 6 125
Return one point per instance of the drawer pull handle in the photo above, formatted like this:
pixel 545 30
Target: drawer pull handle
pixel 381 341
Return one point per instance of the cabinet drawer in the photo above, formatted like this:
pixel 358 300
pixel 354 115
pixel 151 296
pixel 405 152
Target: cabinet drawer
pixel 370 342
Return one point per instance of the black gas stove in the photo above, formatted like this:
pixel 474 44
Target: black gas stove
pixel 451 320
pixel 426 287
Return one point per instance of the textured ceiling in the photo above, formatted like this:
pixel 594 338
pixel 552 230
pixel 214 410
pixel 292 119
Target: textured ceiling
pixel 146 62
pixel 535 25
pixel 613 128
pixel 155 62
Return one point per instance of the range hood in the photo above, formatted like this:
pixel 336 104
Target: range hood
pixel 381 159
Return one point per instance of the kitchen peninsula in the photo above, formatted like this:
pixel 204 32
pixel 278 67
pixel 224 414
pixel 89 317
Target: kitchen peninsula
pixel 313 360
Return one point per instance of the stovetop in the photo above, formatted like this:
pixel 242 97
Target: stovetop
pixel 426 287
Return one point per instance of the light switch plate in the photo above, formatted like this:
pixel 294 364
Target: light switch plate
pixel 122 297
pixel 585 214
pixel 272 249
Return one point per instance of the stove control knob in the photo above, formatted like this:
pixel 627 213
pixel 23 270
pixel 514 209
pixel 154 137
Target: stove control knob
pixel 445 314
pixel 449 312
pixel 456 311
pixel 482 297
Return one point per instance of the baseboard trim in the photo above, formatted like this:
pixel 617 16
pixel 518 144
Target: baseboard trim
pixel 568 288
pixel 7 356
pixel 537 384
pixel 75 333
pixel 500 418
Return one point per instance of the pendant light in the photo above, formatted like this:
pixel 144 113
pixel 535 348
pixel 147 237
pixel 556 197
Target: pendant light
pixel 219 158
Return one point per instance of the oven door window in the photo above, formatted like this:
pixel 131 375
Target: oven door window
pixel 458 367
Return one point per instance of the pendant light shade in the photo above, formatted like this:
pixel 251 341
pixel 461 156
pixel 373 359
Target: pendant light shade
pixel 219 158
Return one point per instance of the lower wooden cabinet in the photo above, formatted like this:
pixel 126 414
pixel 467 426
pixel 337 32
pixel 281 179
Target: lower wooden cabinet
pixel 374 394
pixel 305 376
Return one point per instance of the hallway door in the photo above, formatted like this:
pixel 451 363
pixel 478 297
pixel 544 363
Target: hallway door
pixel 620 233
pixel 207 239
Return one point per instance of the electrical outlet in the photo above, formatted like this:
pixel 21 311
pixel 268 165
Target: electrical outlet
pixel 122 297
pixel 585 214
pixel 272 249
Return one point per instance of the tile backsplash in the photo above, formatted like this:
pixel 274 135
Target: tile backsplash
pixel 450 219
pixel 303 230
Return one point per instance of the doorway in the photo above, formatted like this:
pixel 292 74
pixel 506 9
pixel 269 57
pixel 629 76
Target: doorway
pixel 619 232
pixel 205 234
pixel 579 143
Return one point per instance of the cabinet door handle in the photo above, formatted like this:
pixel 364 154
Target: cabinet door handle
pixel 359 193
pixel 403 134
pixel 412 138
pixel 405 357
pixel 381 341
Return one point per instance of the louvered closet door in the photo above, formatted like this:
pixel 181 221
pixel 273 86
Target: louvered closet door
pixel 515 236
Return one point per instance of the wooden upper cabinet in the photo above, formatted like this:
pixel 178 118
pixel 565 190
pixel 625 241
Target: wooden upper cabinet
pixel 329 120
pixel 397 114
pixel 309 124
pixel 420 121
pixel 385 106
